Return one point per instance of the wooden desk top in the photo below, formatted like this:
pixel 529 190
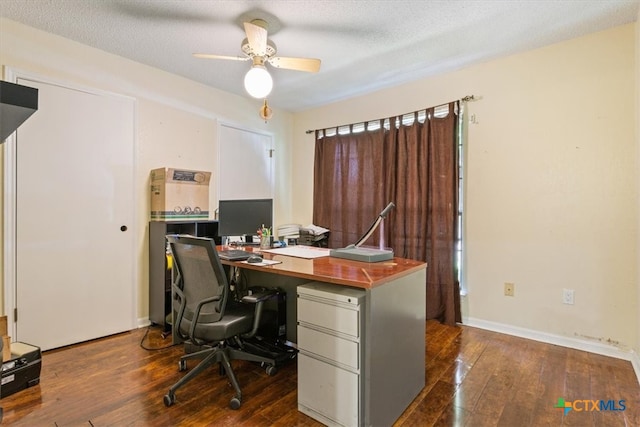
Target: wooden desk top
pixel 340 271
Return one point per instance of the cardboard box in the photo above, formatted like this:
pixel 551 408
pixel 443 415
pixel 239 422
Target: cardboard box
pixel 6 340
pixel 3 325
pixel 178 194
pixel 6 348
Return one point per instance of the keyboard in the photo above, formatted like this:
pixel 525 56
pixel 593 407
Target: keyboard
pixel 234 254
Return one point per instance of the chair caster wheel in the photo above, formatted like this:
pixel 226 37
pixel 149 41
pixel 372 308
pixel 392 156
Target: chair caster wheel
pixel 271 370
pixel 182 365
pixel 169 399
pixel 235 403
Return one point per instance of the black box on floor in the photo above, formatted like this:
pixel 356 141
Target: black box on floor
pixel 22 370
pixel 279 351
pixel 274 315
pixel 270 341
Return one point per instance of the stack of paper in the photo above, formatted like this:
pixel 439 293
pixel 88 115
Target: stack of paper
pixel 288 231
pixel 316 230
pixel 300 251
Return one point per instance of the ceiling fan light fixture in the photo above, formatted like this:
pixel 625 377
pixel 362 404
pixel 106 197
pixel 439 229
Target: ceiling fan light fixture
pixel 258 82
pixel 258 49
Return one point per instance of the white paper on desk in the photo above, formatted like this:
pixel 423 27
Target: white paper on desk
pixel 300 251
pixel 264 262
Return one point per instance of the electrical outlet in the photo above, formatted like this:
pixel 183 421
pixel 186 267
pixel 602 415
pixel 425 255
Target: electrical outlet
pixel 509 289
pixel 567 296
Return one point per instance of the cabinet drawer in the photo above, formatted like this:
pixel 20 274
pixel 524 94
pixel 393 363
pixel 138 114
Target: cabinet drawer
pixel 339 319
pixel 329 346
pixel 328 390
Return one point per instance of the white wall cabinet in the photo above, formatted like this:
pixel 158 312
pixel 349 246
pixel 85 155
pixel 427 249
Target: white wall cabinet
pixel 330 320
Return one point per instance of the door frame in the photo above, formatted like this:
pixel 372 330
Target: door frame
pixel 9 223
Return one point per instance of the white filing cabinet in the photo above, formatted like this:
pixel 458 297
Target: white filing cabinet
pixel 330 319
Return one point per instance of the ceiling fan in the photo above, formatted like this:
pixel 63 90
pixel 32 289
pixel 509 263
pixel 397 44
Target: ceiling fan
pixel 260 50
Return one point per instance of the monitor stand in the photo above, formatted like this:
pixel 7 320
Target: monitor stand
pixel 248 241
pixel 356 253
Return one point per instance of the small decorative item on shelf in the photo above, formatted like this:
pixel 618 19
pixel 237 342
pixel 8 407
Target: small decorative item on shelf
pixel 266 239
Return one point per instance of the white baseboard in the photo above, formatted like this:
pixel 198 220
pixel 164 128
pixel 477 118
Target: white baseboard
pixel 575 343
pixel 143 323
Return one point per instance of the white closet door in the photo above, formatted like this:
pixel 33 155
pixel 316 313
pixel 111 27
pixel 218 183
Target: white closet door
pixel 246 164
pixel 74 217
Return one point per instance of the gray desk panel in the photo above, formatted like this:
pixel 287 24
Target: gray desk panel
pixel 394 347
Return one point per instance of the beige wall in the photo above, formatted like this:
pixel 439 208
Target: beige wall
pixel 176 118
pixel 551 185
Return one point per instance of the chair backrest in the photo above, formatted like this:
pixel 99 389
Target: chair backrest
pixel 200 276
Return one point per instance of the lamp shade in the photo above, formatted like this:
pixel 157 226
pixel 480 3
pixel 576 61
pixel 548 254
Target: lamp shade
pixel 258 82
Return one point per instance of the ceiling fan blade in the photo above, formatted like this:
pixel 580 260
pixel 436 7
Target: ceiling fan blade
pixel 311 65
pixel 211 56
pixel 257 37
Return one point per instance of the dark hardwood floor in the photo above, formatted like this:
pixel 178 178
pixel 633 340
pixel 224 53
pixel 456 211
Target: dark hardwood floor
pixel 474 378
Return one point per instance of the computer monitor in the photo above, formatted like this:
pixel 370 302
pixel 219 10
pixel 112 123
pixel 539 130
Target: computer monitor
pixel 244 216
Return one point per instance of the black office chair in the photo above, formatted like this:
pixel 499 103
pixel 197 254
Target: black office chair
pixel 208 315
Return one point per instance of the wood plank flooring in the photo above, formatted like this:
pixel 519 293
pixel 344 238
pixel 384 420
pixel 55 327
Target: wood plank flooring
pixel 473 378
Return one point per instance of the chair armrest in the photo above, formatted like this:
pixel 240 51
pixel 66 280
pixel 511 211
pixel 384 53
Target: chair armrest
pixel 196 319
pixel 257 295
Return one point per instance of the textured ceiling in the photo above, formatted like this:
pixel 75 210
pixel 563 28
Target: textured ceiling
pixel 364 45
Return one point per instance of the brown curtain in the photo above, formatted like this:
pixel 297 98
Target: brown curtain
pixel 348 184
pixel 415 166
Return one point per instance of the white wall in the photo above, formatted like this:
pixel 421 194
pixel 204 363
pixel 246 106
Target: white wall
pixel 551 186
pixel 176 118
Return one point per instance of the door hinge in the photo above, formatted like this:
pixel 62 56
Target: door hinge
pixel 15 315
pixel 271 150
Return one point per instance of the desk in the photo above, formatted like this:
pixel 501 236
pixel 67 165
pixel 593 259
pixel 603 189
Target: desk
pixel 394 316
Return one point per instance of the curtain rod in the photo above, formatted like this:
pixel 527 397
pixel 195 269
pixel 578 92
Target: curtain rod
pixel 464 99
